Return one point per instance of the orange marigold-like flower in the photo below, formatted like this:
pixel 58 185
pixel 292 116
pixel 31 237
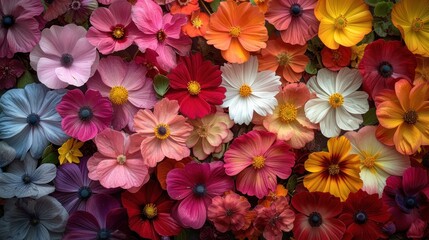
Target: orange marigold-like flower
pixel 197 24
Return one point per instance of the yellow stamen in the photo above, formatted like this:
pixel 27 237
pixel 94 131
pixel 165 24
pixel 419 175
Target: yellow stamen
pixel 245 90
pixel 197 22
pixel 288 112
pixel 194 87
pixel 417 24
pixel 235 31
pixel 118 32
pixel 283 59
pixel 121 159
pixel 340 22
pixel 162 131
pixel 118 95
pixel 150 210
pixel 258 162
pixel 336 100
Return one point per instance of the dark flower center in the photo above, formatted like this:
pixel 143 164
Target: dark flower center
pixel 360 217
pixel 385 69
pixel 33 119
pixel 66 60
pixel 410 117
pixel 161 35
pixel 103 234
pixel 84 192
pixel 75 5
pixel 315 219
pixel 296 10
pixel 199 190
pixel 162 130
pixel 49 1
pixel 229 212
pixel 34 220
pixel 85 113
pixel 26 179
pixel 411 202
pixel 7 21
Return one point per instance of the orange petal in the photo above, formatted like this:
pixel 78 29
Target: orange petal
pixel 407 139
pixel 235 53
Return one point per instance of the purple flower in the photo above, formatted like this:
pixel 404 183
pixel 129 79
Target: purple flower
pixel 73 187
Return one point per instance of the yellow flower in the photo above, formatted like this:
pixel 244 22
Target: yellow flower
pixel 70 151
pixel 342 22
pixel 357 54
pixel 411 17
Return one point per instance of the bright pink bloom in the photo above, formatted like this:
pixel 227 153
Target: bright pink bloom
pixel 64 56
pixel 258 158
pixel 162 33
pixel 118 162
pixel 112 29
pixel 19 30
pixel 84 115
pixel 195 186
pixel 126 86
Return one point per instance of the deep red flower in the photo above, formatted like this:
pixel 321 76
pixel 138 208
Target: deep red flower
pixel 335 59
pixel 315 217
pixel 149 211
pixel 10 70
pixel 364 215
pixel 384 63
pixel 195 84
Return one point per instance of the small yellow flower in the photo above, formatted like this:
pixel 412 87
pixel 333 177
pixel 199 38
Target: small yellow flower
pixel 70 151
pixel 357 54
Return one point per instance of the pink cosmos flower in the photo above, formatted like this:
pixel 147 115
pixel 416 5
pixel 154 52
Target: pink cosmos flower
pixel 64 56
pixel 258 158
pixel 112 29
pixel 195 186
pixel 84 115
pixel 161 33
pixel 118 162
pixel 19 30
pixel 126 86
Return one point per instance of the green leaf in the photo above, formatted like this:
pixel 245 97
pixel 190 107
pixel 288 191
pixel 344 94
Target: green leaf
pixel 161 84
pixel 214 5
pixel 51 158
pixel 291 183
pixel 50 148
pixel 372 2
pixel 311 68
pixel 369 38
pixel 382 9
pixel 25 79
pixel 370 117
pixel 379 29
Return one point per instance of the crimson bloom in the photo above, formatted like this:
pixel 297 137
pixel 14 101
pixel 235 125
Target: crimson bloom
pixel 335 59
pixel 195 84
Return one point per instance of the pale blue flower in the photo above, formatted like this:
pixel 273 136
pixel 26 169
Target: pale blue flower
pixel 29 120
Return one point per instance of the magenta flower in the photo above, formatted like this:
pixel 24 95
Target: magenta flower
pixel 195 186
pixel 64 56
pixel 162 33
pixel 127 88
pixel 112 29
pixel 84 115
pixel 19 30
pixel 10 70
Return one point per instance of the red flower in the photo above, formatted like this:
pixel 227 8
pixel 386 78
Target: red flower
pixel 195 85
pixel 316 216
pixel 384 63
pixel 149 211
pixel 364 215
pixel 335 59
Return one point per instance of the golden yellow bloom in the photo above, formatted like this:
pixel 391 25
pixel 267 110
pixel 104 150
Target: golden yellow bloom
pixel 70 151
pixel 343 22
pixel 357 54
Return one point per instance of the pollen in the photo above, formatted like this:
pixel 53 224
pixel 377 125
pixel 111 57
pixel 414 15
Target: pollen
pixel 194 88
pixel 150 210
pixel 121 159
pixel 118 95
pixel 258 162
pixel 340 22
pixel 118 32
pixel 334 169
pixel 336 100
pixel 417 24
pixel 288 112
pixel 235 31
pixel 162 131
pixel 197 22
pixel 245 90
pixel 283 59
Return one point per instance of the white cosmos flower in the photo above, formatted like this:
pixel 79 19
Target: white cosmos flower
pixel 248 90
pixel 337 104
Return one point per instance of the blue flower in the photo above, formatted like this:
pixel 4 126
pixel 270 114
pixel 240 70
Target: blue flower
pixel 29 120
pixel 7 154
pixel 27 218
pixel 25 179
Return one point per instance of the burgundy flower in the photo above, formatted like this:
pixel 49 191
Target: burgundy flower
pixel 10 70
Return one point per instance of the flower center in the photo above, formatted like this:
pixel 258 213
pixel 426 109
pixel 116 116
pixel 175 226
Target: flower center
pixel 235 31
pixel 26 179
pixel 75 5
pixel 229 212
pixel 334 169
pixel 360 217
pixel 296 10
pixel 200 190
pixel 336 100
pixel 202 131
pixel 283 59
pixel 121 159
pixel 315 219
pixel 340 22
pixel 410 117
pixel 118 95
pixel 336 56
pixel 417 24
pixel 118 32
pixel 33 119
pixel 197 22
pixel 84 192
pixel 161 36
pixel 7 21
pixel 34 220
pixel 385 69
pixel 369 160
pixel 162 131
pixel 150 210
pixel 194 88
pixel 245 90
pixel 258 162
pixel 287 112
pixel 103 234
pixel 410 202
pixel 85 113
pixel 66 60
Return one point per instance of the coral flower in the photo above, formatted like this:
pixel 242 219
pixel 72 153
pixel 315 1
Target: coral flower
pixel 231 30
pixel 316 216
pixel 164 132
pixel 335 59
pixel 70 152
pixel 258 158
pixel 422 70
pixel 384 63
pixel 195 186
pixel 126 86
pixel 112 29
pixel 197 24
pixel 403 114
pixel 195 84
pixel 84 115
pixel 288 120
pixel 118 162
pixel 335 171
pixel 411 18
pixel 185 7
pixel 343 22
pixel 294 19
pixel 287 60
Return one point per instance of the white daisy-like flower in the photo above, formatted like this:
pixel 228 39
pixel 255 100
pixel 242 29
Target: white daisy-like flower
pixel 378 161
pixel 248 90
pixel 337 104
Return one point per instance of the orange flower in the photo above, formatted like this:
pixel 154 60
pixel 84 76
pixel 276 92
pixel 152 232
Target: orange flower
pixel 403 114
pixel 184 7
pixel 197 24
pixel 165 166
pixel 237 30
pixel 262 5
pixel 422 71
pixel 288 60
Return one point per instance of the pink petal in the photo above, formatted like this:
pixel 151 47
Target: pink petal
pixel 192 212
pixel 151 151
pixel 147 15
pixel 173 23
pixel 179 186
pixel 111 143
pixel 47 75
pixel 121 12
pixel 112 70
pixel 103 19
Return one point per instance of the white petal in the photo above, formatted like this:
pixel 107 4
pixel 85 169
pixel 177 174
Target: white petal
pixel 347 121
pixel 328 125
pixel 263 106
pixel 316 109
pixel 348 81
pixel 326 80
pixel 370 181
pixel 314 87
pixel 250 70
pixel 356 102
pixel 266 85
pixel 231 76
